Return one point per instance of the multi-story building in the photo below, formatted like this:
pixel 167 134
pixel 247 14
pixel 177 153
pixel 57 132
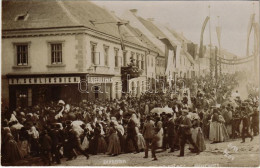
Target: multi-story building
pixel 55 50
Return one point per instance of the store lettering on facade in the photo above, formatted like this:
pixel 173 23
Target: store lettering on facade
pixel 47 80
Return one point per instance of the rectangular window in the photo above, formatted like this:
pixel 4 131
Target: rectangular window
pixel 22 54
pixel 133 56
pixel 152 61
pixel 106 49
pixel 116 58
pixel 142 63
pixel 56 53
pixel 93 52
pixel 138 60
pixel 124 58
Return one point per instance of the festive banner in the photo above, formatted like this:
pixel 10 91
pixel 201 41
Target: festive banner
pixel 201 51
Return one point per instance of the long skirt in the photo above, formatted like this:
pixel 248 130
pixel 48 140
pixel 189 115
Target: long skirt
pixel 140 142
pixel 218 132
pixel 229 129
pixel 198 138
pixel 114 144
pixel 24 148
pixel 13 154
pixel 102 145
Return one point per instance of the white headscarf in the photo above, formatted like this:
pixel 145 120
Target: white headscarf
pixel 34 132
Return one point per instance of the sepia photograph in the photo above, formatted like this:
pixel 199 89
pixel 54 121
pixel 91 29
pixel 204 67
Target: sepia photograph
pixel 130 83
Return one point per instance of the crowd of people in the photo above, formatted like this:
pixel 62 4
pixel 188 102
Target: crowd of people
pixel 203 110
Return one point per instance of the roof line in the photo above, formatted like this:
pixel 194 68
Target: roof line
pixel 68 13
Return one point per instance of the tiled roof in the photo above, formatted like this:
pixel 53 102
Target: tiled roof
pixel 144 39
pixel 56 14
pixel 152 28
pixel 178 35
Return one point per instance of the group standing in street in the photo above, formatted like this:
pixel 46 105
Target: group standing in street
pixel 65 130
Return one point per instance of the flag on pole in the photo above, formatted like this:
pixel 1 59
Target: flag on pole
pixel 218 30
pixel 249 29
pixel 201 51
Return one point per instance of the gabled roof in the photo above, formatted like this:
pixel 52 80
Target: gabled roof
pixel 178 35
pixel 59 14
pixel 152 28
pixel 144 39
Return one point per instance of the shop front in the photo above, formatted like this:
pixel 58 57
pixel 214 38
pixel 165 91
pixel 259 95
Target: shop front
pixel 98 87
pixel 30 90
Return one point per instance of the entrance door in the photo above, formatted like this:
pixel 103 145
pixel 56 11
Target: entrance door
pixel 108 92
pixel 96 88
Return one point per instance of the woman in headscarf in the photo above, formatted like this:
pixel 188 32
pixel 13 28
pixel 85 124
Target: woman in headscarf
pixel 34 134
pixel 11 152
pixel 114 143
pixel 98 135
pixel 197 135
pixel 24 142
pixel 218 132
pixel 120 133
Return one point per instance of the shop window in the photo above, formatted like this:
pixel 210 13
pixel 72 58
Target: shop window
pixel 22 54
pixel 56 53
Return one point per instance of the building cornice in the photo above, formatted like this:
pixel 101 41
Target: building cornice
pixel 40 32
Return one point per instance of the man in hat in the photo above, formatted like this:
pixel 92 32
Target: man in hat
pixel 246 124
pixel 171 132
pixel 148 132
pixel 131 135
pixel 185 133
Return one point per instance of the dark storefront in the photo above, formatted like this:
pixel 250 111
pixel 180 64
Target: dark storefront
pixel 30 90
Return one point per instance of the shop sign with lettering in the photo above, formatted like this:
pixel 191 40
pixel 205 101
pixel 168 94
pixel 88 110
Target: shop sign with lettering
pixel 99 79
pixel 46 80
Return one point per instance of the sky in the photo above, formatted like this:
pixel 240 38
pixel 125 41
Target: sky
pixel 188 16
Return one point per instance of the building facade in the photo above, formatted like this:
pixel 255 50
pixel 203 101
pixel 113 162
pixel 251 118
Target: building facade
pixel 66 57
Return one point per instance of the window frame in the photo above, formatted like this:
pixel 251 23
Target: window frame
pixel 125 58
pixel 15 44
pixel 50 63
pixel 116 56
pixel 138 60
pixel 93 53
pixel 142 61
pixel 106 55
pixel 56 53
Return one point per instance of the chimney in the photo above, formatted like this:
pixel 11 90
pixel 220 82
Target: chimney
pixel 134 11
pixel 150 19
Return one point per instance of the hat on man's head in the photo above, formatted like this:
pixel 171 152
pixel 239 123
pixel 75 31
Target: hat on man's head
pixel 185 110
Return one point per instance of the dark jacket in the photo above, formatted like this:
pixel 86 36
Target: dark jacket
pixel 170 127
pixel 186 126
pixel 148 130
pixel 131 128
pixel 46 143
